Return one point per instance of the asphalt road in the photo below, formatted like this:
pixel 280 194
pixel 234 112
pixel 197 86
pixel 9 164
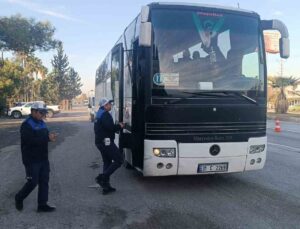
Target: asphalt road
pixel 269 198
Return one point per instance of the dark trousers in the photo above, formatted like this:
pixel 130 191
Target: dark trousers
pixel 112 158
pixel 36 174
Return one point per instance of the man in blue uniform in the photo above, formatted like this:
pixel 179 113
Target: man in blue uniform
pixel 105 130
pixel 34 146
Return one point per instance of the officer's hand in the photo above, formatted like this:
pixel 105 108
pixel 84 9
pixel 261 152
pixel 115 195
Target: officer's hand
pixel 52 137
pixel 122 125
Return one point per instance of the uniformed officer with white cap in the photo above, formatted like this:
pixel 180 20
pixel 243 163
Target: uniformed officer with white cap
pixel 105 130
pixel 34 146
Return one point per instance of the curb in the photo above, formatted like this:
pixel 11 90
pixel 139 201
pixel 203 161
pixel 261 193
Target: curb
pixel 284 117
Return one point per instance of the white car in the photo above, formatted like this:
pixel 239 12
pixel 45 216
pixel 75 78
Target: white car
pixel 52 109
pixel 25 109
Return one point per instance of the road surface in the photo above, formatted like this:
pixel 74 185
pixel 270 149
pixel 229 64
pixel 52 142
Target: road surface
pixel 269 198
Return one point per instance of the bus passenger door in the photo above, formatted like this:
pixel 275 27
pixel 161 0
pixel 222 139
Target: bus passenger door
pixel 117 83
pixel 132 135
pixel 137 109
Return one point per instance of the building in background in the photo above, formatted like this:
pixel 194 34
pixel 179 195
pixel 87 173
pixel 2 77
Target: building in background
pixel 292 94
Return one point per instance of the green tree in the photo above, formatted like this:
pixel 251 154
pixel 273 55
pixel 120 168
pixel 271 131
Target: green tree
pixel 30 82
pixel 25 92
pixel 74 84
pixel 281 103
pixel 25 36
pixel 10 81
pixel 60 66
pixel 36 90
pixel 34 67
pixel 10 75
pixel 49 90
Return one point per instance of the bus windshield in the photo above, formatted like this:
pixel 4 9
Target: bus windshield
pixel 206 50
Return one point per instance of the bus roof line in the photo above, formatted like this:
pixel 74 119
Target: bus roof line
pixel 201 5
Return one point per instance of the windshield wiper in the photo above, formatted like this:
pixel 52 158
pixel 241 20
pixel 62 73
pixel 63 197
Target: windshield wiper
pixel 206 93
pixel 214 94
pixel 196 94
pixel 240 94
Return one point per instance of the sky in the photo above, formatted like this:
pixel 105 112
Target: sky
pixel 90 28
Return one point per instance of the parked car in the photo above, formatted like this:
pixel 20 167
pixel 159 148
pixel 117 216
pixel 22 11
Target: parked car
pixel 24 109
pixel 86 102
pixel 18 104
pixel 53 109
pixel 91 108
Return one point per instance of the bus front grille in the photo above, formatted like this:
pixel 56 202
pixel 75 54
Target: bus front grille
pixel 205 128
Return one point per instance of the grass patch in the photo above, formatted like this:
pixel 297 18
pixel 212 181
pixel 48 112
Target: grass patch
pixel 294 108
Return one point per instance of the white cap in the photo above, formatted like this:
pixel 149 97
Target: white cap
pixel 39 107
pixel 104 101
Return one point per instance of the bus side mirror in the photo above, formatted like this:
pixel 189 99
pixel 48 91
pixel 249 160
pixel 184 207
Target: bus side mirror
pixel 145 14
pixel 284 43
pixel 146 28
pixel 284 46
pixel 145 34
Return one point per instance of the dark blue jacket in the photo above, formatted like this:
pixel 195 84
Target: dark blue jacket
pixel 34 141
pixel 104 126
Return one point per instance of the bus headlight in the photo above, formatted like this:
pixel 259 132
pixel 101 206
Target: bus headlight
pixel 257 149
pixel 156 152
pixel 164 152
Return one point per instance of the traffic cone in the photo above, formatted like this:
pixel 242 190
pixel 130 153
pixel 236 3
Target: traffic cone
pixel 277 126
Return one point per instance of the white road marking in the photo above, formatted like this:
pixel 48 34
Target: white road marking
pixel 284 146
pixel 94 186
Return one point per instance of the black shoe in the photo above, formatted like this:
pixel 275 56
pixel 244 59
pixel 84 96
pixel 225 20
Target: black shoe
pixel 18 204
pixel 101 180
pixel 106 191
pixel 45 208
pixel 112 189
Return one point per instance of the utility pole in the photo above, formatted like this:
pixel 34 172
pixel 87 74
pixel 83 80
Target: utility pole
pixel 281 67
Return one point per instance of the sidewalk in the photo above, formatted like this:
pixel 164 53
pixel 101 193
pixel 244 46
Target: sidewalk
pixel 290 117
pixel 71 114
pixel 7 120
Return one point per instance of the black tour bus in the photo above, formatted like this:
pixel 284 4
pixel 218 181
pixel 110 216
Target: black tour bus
pixel 190 83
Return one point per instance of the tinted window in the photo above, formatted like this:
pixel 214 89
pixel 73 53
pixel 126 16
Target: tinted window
pixel 204 50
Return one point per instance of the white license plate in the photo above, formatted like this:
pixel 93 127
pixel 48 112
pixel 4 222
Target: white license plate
pixel 212 167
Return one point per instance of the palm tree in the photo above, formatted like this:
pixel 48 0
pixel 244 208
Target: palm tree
pixel 281 102
pixel 32 66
